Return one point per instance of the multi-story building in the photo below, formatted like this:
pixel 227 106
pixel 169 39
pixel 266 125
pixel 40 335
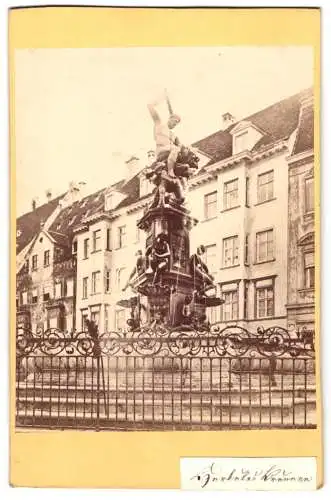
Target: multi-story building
pixel 301 222
pixel 46 267
pixel 240 197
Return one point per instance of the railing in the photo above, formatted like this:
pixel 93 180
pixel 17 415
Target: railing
pixel 166 379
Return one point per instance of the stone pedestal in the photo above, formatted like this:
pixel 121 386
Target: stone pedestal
pixel 166 297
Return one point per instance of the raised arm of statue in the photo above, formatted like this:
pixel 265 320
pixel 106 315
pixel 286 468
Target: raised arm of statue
pixel 154 114
pixel 152 107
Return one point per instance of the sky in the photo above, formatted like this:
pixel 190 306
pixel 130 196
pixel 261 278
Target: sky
pixel 81 113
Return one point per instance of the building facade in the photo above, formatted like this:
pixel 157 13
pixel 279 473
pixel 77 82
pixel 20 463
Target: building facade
pixel 301 217
pixel 246 196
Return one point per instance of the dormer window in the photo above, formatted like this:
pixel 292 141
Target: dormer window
pixel 72 220
pixel 18 233
pixel 245 136
pixel 240 142
pixel 146 187
pixel 109 202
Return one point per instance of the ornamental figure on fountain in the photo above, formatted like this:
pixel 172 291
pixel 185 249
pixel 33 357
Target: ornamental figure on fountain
pixel 174 284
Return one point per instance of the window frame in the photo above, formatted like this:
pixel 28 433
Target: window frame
pixel 257 246
pixel 34 262
pixel 231 293
pixel 107 280
pixel 265 289
pixel 94 282
pixel 86 245
pixel 121 236
pixel 207 205
pixel 96 237
pixel 234 250
pixel 227 195
pixel 264 187
pixel 309 271
pixel 240 146
pixel 309 209
pixel 212 269
pixel 85 287
pixel 47 254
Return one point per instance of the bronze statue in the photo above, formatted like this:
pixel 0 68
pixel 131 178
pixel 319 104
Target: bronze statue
pixel 174 163
pixel 167 144
pixel 199 269
pixel 158 256
pixel 138 269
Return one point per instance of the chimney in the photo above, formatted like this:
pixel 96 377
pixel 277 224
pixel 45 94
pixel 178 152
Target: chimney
pixel 74 192
pixel 34 204
pixel 48 195
pixel 227 120
pixel 133 166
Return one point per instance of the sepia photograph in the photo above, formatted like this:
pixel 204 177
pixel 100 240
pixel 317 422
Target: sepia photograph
pixel 165 238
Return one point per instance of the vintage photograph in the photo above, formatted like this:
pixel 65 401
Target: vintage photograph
pixel 165 249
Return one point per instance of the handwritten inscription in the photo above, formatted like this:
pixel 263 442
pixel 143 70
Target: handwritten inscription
pixel 249 473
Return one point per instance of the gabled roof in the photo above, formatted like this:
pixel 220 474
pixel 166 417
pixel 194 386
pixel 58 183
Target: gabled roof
pixel 70 217
pixel 305 137
pixel 60 239
pixel 277 122
pixel 30 223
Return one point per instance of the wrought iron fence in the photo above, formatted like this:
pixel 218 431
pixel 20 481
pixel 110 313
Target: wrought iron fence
pixel 160 379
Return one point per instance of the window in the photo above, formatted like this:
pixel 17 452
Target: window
pixel 211 258
pixel 230 306
pixel 46 296
pixel 85 285
pixel 96 240
pixel 120 278
pixel 211 205
pixel 86 248
pixel 58 290
pixel 309 270
pixel 120 322
pixel 109 202
pixel 107 281
pixel 96 282
pixel 309 195
pixel 265 246
pixel 24 298
pixel 246 251
pixel 106 318
pixel 84 318
pixel 74 247
pixel 265 302
pixel 247 192
pixel 34 262
pixel 46 258
pixel 121 236
pixel 240 142
pixel 108 239
pixel 246 289
pixel 69 288
pixel 230 252
pixel 231 194
pixel 95 316
pixel 265 187
pixel 34 298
